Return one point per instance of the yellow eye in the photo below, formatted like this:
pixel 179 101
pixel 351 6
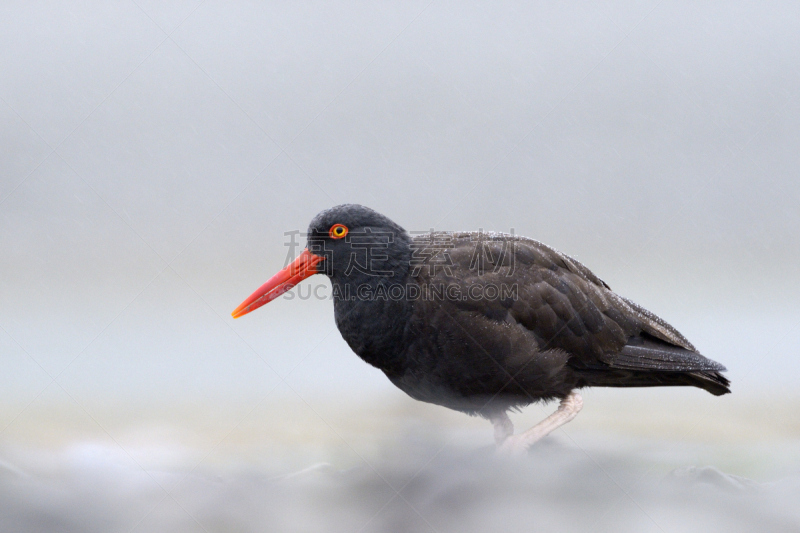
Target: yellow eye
pixel 338 231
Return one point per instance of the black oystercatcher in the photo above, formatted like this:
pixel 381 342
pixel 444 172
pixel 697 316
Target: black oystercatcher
pixel 485 322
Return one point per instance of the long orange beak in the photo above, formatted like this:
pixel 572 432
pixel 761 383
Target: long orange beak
pixel 302 267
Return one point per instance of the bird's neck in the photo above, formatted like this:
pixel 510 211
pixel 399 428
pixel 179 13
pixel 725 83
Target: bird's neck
pixel 372 311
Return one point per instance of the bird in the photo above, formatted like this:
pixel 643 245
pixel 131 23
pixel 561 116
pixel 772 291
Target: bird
pixel 485 323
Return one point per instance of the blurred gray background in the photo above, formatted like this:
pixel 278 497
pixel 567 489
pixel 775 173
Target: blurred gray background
pixel 153 155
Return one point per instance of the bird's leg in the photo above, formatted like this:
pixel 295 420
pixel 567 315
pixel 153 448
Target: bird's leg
pixel 519 444
pixel 503 428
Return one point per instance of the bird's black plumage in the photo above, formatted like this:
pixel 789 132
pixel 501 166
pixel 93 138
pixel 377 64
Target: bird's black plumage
pixel 557 326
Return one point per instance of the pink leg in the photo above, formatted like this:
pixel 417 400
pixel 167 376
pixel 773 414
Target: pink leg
pixel 503 428
pixel 519 444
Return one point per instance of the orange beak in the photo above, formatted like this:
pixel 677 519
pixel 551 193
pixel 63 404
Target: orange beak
pixel 302 267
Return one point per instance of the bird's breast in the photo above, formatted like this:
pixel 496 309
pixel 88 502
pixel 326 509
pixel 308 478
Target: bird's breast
pixel 375 329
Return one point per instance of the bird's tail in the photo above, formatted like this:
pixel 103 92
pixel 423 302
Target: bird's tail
pixel 713 382
pixel 650 362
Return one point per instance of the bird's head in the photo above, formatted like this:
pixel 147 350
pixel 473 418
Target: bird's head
pixel 348 242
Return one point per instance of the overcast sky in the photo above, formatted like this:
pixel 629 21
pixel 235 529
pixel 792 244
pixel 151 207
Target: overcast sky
pixel 152 158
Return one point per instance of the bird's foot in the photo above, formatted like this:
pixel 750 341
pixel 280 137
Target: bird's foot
pixel 516 445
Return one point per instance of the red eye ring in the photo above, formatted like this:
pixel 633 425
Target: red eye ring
pixel 338 231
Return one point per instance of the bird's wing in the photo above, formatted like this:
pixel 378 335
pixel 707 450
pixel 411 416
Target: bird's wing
pixel 559 300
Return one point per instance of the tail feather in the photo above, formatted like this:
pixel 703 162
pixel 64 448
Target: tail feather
pixel 645 352
pixel 713 382
pixel 647 361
